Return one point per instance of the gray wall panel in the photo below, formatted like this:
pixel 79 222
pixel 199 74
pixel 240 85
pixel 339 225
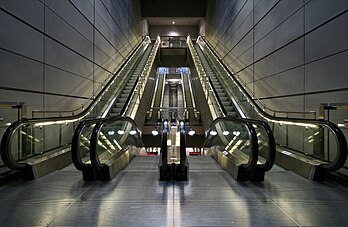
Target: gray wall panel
pixel 281 60
pixel 64 58
pixel 69 36
pixel 50 48
pixel 278 59
pixel 286 32
pixel 286 83
pixel 327 39
pixel 20 72
pixel 72 17
pixel 30 11
pixel 320 78
pixel 275 17
pixel 86 9
pixel 56 82
pixel 319 11
pixel 19 38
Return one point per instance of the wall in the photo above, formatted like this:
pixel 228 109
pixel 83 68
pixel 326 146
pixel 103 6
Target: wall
pixel 291 53
pixel 55 54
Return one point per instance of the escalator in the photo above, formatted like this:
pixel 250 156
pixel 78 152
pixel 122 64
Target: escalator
pixel 38 146
pixel 101 147
pixel 294 151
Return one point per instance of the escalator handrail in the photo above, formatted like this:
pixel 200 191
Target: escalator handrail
pixel 182 145
pixel 95 138
pixel 254 147
pixel 271 144
pixel 6 154
pixel 164 145
pixel 342 150
pixel 75 143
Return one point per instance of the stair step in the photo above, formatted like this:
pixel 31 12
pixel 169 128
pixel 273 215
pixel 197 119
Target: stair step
pixel 124 95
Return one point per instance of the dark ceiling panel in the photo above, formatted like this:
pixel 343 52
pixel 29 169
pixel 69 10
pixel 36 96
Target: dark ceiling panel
pixel 173 8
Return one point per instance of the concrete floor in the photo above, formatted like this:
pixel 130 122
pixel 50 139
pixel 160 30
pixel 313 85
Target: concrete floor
pixel 136 198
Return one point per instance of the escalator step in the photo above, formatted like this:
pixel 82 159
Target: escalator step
pixel 113 114
pixel 222 94
pixel 124 95
pixel 116 110
pixel 226 103
pixel 122 100
pixel 229 108
pixel 232 114
pixel 119 104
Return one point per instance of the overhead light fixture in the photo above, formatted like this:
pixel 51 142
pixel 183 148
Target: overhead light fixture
pixel 191 132
pixel 173 22
pixel 154 132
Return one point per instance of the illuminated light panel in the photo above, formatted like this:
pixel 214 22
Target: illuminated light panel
pixel 225 133
pixel 133 132
pixel 111 132
pixel 154 132
pixel 120 132
pixel 191 132
pixel 213 133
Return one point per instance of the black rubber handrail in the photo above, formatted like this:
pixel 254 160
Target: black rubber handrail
pixel 342 150
pixel 6 154
pixel 254 147
pixel 182 145
pixel 75 144
pixel 164 145
pixel 95 138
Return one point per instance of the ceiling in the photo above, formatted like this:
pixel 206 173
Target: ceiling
pixel 179 21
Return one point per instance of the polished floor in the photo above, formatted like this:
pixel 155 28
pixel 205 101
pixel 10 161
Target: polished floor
pixel 136 198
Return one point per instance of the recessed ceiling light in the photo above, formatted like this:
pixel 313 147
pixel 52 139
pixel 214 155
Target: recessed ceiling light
pixel 173 22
